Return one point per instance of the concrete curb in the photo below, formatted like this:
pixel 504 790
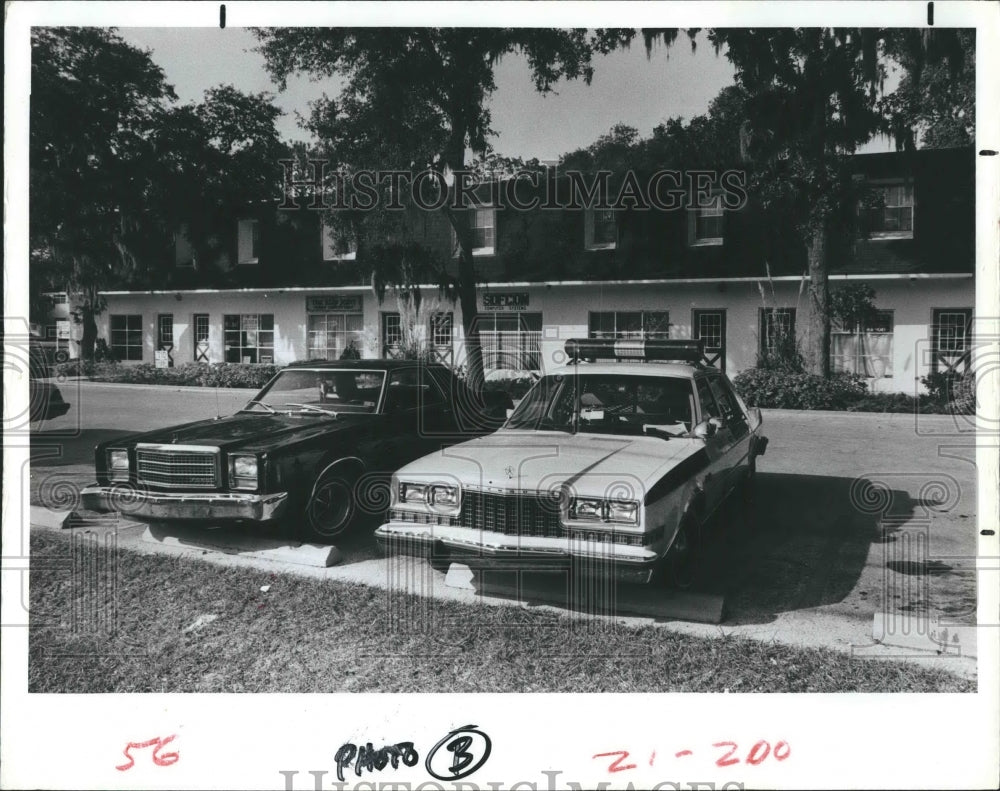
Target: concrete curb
pixel 314 555
pixel 697 606
pixel 902 630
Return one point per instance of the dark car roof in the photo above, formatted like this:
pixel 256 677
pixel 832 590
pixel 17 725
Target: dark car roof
pixel 381 364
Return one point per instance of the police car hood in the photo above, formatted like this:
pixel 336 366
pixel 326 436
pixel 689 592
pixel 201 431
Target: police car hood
pixel 597 465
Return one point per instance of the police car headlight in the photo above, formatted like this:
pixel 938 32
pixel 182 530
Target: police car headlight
pixel 444 495
pixel 243 472
pixel 623 511
pixel 587 508
pixel 118 465
pixel 413 492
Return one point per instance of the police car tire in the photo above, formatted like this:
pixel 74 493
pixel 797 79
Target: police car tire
pixel 680 564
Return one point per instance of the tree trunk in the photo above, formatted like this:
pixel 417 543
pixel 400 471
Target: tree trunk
pixel 470 325
pixel 817 350
pixel 455 158
pixel 89 337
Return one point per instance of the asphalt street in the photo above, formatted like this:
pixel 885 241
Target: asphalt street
pixel 856 514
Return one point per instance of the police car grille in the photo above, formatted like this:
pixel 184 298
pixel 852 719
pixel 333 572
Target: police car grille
pixel 177 469
pixel 531 515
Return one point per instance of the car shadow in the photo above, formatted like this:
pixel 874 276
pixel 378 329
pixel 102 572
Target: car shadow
pixel 805 544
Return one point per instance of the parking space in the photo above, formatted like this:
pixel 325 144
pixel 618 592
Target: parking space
pixel 855 514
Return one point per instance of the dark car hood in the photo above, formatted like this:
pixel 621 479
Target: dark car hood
pixel 252 431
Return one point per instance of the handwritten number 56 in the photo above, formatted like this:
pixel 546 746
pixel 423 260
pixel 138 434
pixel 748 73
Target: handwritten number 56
pixel 164 759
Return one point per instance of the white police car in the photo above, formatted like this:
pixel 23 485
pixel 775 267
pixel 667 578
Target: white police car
pixel 617 464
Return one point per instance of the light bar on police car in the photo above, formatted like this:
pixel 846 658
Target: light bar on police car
pixel 634 349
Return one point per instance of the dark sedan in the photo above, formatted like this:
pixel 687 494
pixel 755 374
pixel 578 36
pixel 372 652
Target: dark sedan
pixel 316 445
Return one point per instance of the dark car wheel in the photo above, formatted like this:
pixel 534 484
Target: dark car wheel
pixel 330 510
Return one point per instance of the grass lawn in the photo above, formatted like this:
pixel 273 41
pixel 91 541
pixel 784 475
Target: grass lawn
pixel 306 635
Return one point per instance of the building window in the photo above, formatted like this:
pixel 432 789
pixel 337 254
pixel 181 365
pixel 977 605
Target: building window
pixel 331 333
pixel 482 222
pixel 392 334
pixel 951 339
pixel 630 324
pixel 201 337
pixel 442 335
pixel 510 341
pixel 126 336
pixel 183 252
pixel 863 348
pixel 710 326
pixel 705 223
pixel 248 242
pixel 777 332
pixel 337 247
pixel 600 229
pixel 249 338
pixel 892 216
pixel 165 331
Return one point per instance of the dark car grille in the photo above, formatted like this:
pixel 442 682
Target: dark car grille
pixel 192 469
pixel 535 515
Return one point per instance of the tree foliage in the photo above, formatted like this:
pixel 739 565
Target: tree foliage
pixel 116 167
pixel 811 97
pixel 412 97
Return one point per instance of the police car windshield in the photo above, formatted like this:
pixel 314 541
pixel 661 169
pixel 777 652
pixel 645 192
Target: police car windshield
pixel 607 404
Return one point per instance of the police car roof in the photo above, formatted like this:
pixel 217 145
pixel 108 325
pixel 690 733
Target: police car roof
pixel 677 370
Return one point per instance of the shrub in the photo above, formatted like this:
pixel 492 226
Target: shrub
pixel 250 375
pixel 791 390
pixel 953 391
pixel 515 388
pixel 963 392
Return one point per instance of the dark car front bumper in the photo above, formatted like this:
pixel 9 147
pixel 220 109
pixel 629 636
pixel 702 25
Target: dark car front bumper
pixel 187 505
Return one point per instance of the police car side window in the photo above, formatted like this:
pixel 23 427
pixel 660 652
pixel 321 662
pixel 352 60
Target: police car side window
pixel 725 401
pixel 709 407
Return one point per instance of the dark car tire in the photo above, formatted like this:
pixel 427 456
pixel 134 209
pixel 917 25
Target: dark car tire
pixel 330 510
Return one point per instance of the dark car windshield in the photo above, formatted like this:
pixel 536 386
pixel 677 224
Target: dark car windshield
pixel 607 404
pixel 320 390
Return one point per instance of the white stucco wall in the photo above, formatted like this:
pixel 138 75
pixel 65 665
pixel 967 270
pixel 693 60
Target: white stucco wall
pixel 565 312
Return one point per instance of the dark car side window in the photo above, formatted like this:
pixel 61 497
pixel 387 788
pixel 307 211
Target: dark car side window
pixel 407 390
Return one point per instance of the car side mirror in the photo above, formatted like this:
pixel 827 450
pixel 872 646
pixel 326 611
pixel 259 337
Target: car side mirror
pixel 706 429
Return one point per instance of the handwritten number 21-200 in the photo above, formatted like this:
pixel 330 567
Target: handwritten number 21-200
pixel 760 751
pixel 166 759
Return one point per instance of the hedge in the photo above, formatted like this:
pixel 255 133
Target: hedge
pixel 952 394
pixel 250 375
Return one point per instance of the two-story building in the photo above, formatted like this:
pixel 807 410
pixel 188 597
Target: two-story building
pixel 285 289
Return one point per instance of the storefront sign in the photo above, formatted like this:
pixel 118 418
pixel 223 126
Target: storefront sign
pixel 62 330
pixel 161 358
pixel 505 300
pixel 334 303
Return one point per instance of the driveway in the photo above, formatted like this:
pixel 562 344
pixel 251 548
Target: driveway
pixel 856 514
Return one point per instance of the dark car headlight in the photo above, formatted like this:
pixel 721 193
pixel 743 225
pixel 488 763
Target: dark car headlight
pixel 243 472
pixel 118 466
